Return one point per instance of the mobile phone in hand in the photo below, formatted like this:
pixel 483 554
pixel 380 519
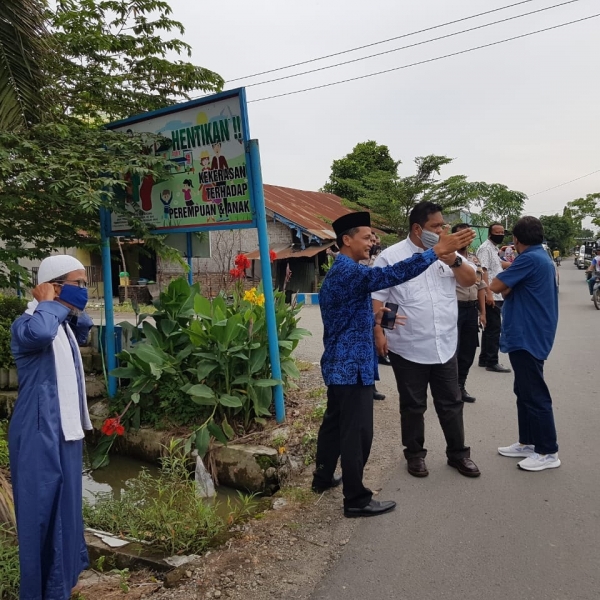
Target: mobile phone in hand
pixel 388 320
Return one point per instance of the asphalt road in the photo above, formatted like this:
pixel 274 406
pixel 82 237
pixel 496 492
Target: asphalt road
pixel 509 534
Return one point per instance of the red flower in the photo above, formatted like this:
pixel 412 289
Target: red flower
pixel 242 262
pixel 112 427
pixel 272 255
pixel 237 273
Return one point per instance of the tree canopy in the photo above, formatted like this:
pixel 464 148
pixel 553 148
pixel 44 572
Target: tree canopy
pixel 99 60
pixel 367 178
pixel 559 231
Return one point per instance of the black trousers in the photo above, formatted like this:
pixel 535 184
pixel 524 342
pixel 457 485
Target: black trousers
pixel 468 340
pixel 534 403
pixel 412 380
pixel 346 432
pixel 490 339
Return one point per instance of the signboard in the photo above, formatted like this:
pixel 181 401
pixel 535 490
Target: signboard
pixel 210 183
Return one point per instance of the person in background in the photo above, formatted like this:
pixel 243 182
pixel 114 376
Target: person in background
pixel 471 312
pixel 509 253
pixel 593 271
pixel 348 361
pixel 528 328
pixel 45 436
pixel 424 354
pixel 488 257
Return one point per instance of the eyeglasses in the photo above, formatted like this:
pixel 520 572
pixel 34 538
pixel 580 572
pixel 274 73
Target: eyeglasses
pixel 80 283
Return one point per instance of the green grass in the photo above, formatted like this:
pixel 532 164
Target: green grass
pixel 9 564
pixel 166 512
pixel 4 444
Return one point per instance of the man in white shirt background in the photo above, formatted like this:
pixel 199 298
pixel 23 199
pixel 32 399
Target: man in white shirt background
pixel 489 259
pixel 423 353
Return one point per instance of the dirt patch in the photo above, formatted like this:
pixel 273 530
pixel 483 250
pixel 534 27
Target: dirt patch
pixel 285 552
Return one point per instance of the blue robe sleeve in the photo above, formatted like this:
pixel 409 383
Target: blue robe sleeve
pixel 32 333
pixel 381 278
pixel 81 326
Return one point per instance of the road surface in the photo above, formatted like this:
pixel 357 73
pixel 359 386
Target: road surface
pixel 510 534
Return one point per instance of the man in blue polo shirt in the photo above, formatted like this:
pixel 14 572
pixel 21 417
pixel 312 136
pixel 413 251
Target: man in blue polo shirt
pixel 529 320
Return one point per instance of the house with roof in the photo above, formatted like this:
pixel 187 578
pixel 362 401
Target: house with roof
pixel 299 231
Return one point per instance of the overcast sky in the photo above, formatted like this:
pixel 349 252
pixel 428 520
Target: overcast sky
pixel 524 113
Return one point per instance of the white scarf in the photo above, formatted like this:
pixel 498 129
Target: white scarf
pixel 74 414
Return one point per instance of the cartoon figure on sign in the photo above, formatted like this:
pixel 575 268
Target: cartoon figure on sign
pixel 220 162
pixel 187 192
pixel 205 162
pixel 166 197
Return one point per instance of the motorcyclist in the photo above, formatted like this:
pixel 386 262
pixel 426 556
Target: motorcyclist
pixel 593 271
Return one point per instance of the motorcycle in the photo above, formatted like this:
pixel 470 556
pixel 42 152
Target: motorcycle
pixel 596 292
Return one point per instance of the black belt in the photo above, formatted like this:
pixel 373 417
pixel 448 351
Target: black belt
pixel 467 303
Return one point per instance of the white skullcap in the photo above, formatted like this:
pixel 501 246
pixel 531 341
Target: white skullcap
pixel 56 266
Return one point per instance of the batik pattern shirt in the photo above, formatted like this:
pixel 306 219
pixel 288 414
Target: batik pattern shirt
pixel 347 313
pixel 489 258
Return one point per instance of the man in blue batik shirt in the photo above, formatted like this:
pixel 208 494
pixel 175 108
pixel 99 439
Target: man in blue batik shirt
pixel 529 322
pixel 348 362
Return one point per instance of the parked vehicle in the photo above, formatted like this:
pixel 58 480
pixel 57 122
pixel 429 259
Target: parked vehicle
pixel 580 257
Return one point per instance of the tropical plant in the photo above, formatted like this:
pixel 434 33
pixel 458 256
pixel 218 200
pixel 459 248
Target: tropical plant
pixel 101 60
pixel 215 352
pixel 23 47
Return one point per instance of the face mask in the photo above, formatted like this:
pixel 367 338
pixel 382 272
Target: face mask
pixel 497 238
pixel 429 239
pixel 74 295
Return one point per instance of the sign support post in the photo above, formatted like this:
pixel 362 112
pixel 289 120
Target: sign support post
pixel 190 259
pixel 265 266
pixel 109 327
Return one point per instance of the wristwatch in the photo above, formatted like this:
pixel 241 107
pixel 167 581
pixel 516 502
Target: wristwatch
pixel 456 263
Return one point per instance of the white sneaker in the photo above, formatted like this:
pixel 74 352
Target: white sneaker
pixel 517 450
pixel 540 462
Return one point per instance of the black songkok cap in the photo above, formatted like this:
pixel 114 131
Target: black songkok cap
pixel 350 221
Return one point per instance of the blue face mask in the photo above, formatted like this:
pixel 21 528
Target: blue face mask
pixel 74 295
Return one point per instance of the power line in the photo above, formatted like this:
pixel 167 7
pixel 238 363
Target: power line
pixel 442 37
pixel 422 62
pixel 398 37
pixel 565 183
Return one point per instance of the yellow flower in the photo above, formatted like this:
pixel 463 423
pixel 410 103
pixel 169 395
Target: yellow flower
pixel 260 299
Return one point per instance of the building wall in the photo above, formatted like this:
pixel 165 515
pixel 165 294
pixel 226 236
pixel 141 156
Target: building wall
pixel 225 245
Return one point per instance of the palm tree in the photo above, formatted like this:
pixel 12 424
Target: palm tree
pixel 23 45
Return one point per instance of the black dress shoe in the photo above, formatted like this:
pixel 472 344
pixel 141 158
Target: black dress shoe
pixel 498 368
pixel 372 509
pixel 465 466
pixel 384 360
pixel 378 395
pixel 319 488
pixel 466 397
pixel 417 467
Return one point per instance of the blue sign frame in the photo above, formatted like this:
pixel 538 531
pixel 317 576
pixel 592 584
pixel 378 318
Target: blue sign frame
pixel 259 221
pixel 239 93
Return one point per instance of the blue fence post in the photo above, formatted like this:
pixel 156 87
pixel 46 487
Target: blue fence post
pixel 109 337
pixel 265 265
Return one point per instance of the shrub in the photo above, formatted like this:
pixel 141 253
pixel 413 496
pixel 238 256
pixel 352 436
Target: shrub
pixel 11 307
pixel 213 351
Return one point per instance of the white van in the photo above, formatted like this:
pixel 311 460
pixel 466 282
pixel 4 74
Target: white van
pixel 580 257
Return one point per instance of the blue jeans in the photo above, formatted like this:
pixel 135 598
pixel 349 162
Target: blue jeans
pixel 534 404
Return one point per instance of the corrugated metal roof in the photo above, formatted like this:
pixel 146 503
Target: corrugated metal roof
pixel 291 251
pixel 313 211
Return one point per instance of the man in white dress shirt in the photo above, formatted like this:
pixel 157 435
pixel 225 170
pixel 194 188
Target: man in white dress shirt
pixel 423 352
